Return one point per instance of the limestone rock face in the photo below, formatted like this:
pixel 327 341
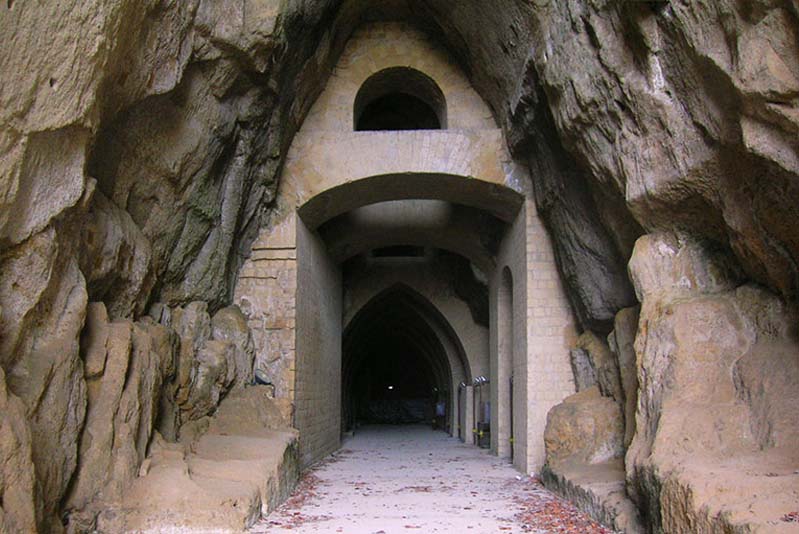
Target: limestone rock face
pixel 209 142
pixel 38 186
pixel 19 509
pixel 236 470
pixel 712 366
pixel 123 403
pixel 668 116
pixel 613 365
pixel 589 260
pixel 585 428
pixel 214 372
pixel 215 355
pixel 621 341
pixel 43 299
pixel 116 260
pixel 605 365
pixel 667 266
pixel 133 373
pixel 229 324
pixel 584 374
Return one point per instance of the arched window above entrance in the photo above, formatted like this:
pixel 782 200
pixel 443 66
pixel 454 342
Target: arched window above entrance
pixel 400 98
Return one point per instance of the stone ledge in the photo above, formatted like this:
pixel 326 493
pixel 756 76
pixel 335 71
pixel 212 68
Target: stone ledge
pixel 223 482
pixel 598 490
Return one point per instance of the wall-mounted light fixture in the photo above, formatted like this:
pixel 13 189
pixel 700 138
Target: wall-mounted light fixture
pixel 480 380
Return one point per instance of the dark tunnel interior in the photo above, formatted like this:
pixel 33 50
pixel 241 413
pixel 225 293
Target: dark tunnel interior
pixel 395 369
pixel 398 111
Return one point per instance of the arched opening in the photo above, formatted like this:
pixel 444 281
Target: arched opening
pixel 495 199
pixel 359 238
pixel 408 228
pixel 399 98
pixel 401 363
pixel 397 111
pixel 505 366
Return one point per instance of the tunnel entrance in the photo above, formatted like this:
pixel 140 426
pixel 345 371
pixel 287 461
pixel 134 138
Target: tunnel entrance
pixel 397 364
pixel 334 339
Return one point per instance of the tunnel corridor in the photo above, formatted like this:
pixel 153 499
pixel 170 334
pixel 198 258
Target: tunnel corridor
pixel 395 369
pixel 241 239
pixel 412 479
pixel 401 210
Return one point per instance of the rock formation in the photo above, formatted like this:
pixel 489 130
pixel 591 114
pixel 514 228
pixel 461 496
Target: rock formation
pixel 141 144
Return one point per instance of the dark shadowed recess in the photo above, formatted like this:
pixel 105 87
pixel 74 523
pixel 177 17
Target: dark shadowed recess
pixel 395 368
pixel 400 98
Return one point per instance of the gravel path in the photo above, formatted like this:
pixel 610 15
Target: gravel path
pixel 410 479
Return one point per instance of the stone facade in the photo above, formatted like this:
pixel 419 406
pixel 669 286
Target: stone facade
pixel 142 144
pixel 331 170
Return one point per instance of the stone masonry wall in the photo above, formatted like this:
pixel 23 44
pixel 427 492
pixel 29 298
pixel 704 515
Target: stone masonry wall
pixel 318 383
pixel 266 293
pixel 457 165
pixel 551 332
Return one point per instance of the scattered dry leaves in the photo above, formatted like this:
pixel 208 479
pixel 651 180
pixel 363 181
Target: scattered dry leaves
pixel 416 489
pixel 542 511
pixel 288 516
pixel 792 517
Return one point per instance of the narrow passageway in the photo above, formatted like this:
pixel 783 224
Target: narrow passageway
pixel 408 478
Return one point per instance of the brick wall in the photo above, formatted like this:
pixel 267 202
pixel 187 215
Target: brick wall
pixel 265 292
pixel 317 400
pixel 550 334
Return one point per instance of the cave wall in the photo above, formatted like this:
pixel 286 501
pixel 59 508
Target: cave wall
pixel 141 144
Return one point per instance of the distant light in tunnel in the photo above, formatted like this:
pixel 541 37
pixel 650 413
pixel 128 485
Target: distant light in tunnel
pixel 390 387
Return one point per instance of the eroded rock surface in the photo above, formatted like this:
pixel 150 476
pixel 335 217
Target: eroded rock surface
pixel 584 374
pixel 621 341
pixel 714 360
pixel 223 481
pixel 584 428
pixel 116 260
pixel 215 356
pixel 598 489
pixel 130 364
pixel 673 119
pixel 19 511
pixel 605 365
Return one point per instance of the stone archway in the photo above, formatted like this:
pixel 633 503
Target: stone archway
pixel 345 194
pixel 400 98
pixel 400 317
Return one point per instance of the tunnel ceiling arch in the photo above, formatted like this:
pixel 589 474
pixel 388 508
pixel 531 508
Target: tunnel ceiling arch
pixel 498 200
pixel 468 232
pixel 400 324
pixel 412 301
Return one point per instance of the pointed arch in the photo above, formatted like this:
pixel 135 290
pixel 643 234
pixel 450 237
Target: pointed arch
pixel 410 318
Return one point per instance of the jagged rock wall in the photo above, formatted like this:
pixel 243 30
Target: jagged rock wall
pixel 682 111
pixel 145 379
pixel 140 145
pixel 127 93
pixel 126 365
pixel 17 479
pixel 718 371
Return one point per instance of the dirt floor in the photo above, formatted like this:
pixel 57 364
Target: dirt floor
pixel 405 479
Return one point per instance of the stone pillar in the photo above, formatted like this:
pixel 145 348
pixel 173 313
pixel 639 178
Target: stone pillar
pixel 468 434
